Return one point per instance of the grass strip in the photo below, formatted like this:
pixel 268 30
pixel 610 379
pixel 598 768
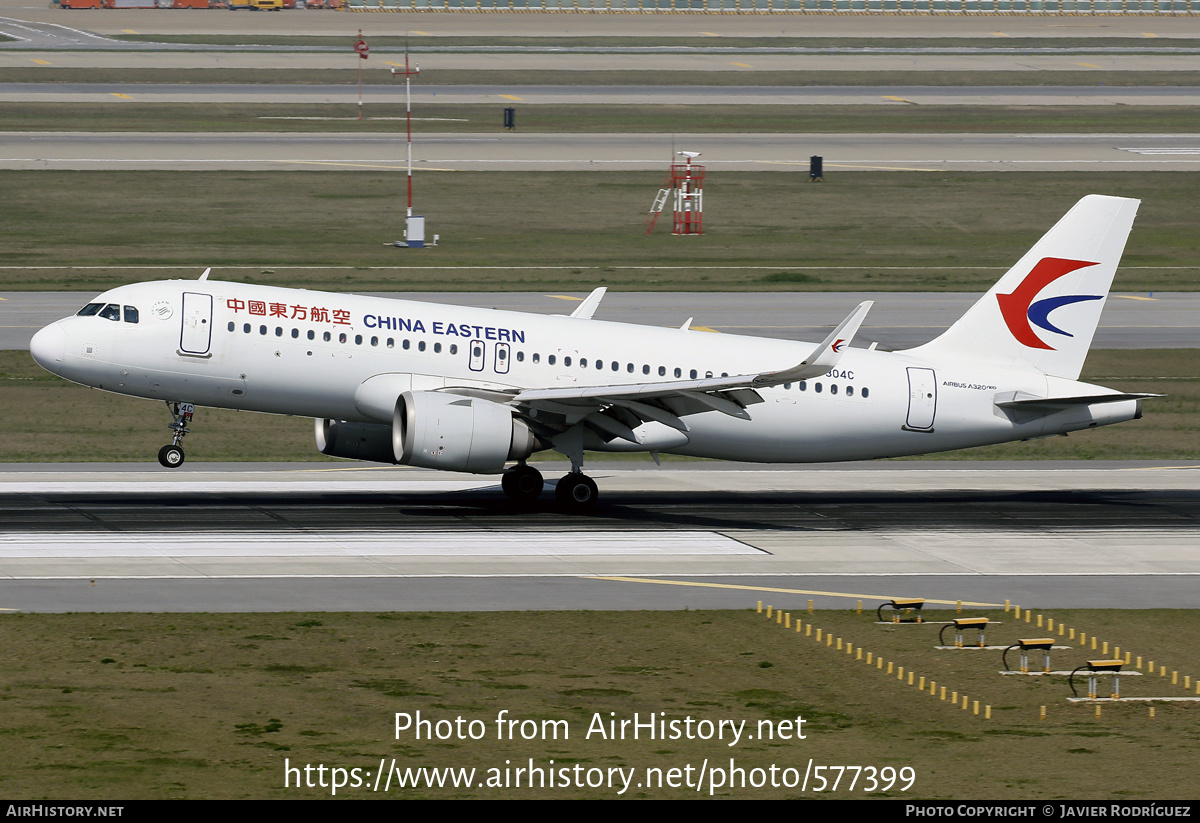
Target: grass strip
pixel 131 706
pixel 527 231
pixel 121 115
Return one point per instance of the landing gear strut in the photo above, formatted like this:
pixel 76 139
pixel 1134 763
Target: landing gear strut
pixel 172 455
pixel 522 483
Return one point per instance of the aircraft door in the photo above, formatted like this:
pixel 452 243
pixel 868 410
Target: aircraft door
pixel 196 335
pixel 500 361
pixel 478 354
pixel 922 399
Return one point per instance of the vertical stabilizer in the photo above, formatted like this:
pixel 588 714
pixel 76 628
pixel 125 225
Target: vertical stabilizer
pixel 1044 311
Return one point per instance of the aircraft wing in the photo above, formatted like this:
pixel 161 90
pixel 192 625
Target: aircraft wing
pixel 617 409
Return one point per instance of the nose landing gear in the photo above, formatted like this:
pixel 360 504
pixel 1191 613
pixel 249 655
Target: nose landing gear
pixel 171 456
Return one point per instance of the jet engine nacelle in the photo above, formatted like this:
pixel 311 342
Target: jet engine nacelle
pixel 454 433
pixel 358 441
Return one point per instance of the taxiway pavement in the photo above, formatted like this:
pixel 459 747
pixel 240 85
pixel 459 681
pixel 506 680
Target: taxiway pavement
pixel 566 25
pixel 515 151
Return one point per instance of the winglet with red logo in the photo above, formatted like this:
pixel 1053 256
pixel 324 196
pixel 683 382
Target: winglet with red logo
pixel 1043 313
pixel 825 356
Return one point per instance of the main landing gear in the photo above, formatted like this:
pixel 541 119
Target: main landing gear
pixel 522 483
pixel 172 455
pixel 574 492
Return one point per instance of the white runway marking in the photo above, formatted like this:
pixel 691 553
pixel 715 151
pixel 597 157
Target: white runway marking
pixel 182 485
pixel 566 543
pixel 1164 151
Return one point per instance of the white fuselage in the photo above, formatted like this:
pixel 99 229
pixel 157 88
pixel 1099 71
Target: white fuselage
pixel 315 354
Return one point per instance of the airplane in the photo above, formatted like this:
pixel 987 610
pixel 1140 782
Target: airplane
pixel 481 390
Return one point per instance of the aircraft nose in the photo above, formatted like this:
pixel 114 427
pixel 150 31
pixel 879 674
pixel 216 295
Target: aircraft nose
pixel 48 347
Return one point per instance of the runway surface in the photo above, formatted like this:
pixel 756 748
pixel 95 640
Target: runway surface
pixel 898 320
pixel 601 152
pixel 282 537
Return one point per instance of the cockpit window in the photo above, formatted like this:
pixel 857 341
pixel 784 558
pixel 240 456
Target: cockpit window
pixel 111 312
pixel 131 314
pixel 89 309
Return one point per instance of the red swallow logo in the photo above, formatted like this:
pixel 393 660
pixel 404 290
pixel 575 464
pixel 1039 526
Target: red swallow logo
pixel 1018 308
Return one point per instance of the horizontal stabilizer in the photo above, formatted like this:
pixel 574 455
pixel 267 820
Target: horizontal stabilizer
pixel 1020 400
